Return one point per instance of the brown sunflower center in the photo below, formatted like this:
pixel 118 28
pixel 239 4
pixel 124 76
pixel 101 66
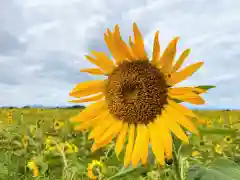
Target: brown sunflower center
pixel 136 92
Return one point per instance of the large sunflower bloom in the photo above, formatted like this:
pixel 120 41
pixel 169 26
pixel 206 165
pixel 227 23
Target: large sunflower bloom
pixel 137 98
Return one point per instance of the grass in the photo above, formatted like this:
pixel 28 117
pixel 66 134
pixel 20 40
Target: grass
pixel 42 142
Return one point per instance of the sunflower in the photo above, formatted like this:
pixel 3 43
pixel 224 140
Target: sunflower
pixel 33 129
pixel 50 144
pixel 70 148
pixel 25 141
pixel 33 166
pixel 58 125
pixel 137 98
pixel 95 169
pixel 196 153
pixel 228 139
pixel 209 123
pixel 220 120
pixel 9 117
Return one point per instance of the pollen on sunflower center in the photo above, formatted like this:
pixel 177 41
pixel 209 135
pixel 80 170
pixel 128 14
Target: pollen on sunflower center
pixel 136 92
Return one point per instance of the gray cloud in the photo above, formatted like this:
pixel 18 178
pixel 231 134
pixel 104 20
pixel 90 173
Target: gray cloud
pixel 10 44
pixel 58 66
pixel 43 43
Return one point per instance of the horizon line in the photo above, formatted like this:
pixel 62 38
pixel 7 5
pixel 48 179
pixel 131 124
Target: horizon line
pixel 65 106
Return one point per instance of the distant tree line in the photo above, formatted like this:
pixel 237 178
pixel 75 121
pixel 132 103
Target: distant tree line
pixel 57 107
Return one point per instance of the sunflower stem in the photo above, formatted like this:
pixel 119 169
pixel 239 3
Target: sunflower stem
pixel 176 163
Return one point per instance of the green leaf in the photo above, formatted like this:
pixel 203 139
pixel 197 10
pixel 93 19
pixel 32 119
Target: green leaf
pixel 20 152
pixel 3 170
pixel 127 172
pixel 220 169
pixel 206 87
pixel 177 100
pixel 186 150
pixel 44 168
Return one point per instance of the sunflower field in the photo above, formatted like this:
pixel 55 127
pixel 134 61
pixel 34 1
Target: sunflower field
pixel 42 144
pixel 135 127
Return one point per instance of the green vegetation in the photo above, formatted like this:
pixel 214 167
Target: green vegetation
pixel 41 143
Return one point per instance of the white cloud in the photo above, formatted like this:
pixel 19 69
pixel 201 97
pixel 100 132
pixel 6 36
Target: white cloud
pixel 42 43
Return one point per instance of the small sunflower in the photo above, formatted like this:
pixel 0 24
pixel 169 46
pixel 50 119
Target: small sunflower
pixel 40 122
pixel 33 166
pixel 218 149
pixel 25 141
pixel 9 117
pixel 33 129
pixel 58 125
pixel 196 154
pixel 220 120
pixel 137 98
pixel 228 139
pixel 50 144
pixel 209 123
pixel 230 119
pixel 94 169
pixel 70 148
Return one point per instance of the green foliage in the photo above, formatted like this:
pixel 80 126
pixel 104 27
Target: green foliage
pixel 45 136
pixel 206 87
pixel 220 169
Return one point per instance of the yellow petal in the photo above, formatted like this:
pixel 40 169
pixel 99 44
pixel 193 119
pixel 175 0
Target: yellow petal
pixel 165 136
pixel 168 142
pixel 110 133
pixel 195 100
pixel 88 99
pixel 144 148
pixel 85 125
pixel 157 146
pixel 91 175
pixel 94 71
pixel 184 90
pixel 102 61
pixel 109 39
pixel 94 147
pixel 129 148
pixel 98 131
pixel 90 112
pixel 190 97
pixel 121 139
pixel 122 46
pixel 168 56
pixel 182 120
pixel 137 150
pixel 132 48
pixel 181 108
pixel 183 74
pixel 87 88
pixel 156 49
pixel 174 127
pixel 180 60
pixel 35 172
pixel 92 122
pixel 138 47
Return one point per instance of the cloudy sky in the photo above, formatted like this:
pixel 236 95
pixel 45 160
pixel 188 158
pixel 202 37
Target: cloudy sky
pixel 43 43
